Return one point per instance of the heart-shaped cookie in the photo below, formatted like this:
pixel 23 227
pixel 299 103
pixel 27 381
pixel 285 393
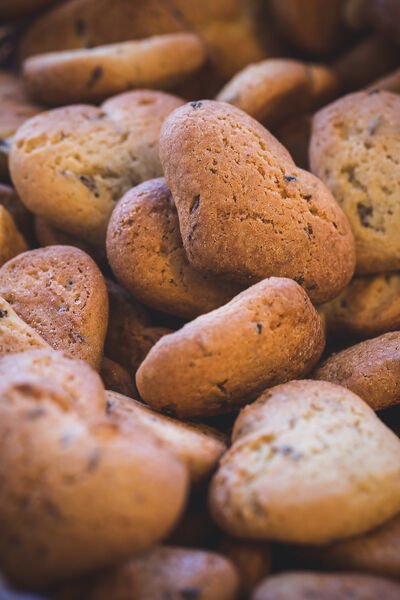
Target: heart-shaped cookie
pixel 245 210
pixel 71 165
pixel 60 292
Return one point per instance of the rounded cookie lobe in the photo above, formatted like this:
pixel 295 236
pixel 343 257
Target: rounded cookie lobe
pixel 92 74
pixel 71 165
pixel 370 369
pixel 198 446
pixel 268 334
pixel 288 476
pixel 354 147
pixel 245 210
pixel 146 254
pixel 323 586
pixel 170 572
pixel 60 292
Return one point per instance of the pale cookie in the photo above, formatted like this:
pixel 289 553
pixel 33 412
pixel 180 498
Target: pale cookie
pixel 169 573
pixel 322 586
pixel 367 307
pixel 76 495
pixel 245 210
pixel 116 378
pixel 146 255
pixel 276 89
pixel 288 476
pixel 93 74
pixel 354 147
pixel 376 551
pixel 370 369
pixel 268 334
pixel 11 240
pixel 15 334
pixel 60 292
pixel 198 446
pixel 71 165
pixel 130 333
pixel 89 23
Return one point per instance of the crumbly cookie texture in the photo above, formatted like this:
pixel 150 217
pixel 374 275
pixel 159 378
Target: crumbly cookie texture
pixel 323 586
pixel 92 74
pixel 146 254
pixel 198 446
pixel 288 476
pixel 245 210
pixel 15 334
pixel 60 292
pixel 370 369
pixel 72 164
pixel 354 148
pixel 268 334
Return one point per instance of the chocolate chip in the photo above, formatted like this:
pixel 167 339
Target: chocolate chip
pixel 364 213
pixel 195 203
pixel 95 75
pixel 196 105
pixel 290 178
pixel 3 313
pixel 221 386
pixel 90 182
pixel 259 328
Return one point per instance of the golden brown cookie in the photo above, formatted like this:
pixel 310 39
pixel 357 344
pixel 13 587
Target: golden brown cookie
pixel 288 476
pixel 370 369
pixel 354 145
pixel 90 75
pixel 15 334
pixel 116 378
pixel 369 59
pixel 276 89
pixel 15 109
pixel 76 493
pixel 322 586
pixel 367 307
pixel 169 572
pixel 198 446
pixel 253 561
pixel 146 254
pixel 245 210
pixel 11 240
pixel 72 164
pixel 47 235
pixel 60 292
pixel 268 334
pixel 376 551
pixel 130 333
pixel 314 26
pixel 89 23
pixel 21 216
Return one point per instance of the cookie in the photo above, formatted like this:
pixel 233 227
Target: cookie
pixel 371 58
pixel 15 109
pixel 376 551
pixel 353 148
pixel 11 240
pixel 71 165
pixel 130 333
pixel 387 83
pixel 76 494
pixel 253 561
pixel 370 369
pixel 268 334
pixel 169 572
pixel 198 446
pixel 322 586
pixel 15 334
pixel 367 307
pixel 90 23
pixel 146 255
pixel 315 26
pixel 245 210
pixel 288 476
pixel 92 74
pixel 21 216
pixel 274 90
pixel 60 292
pixel 116 378
pixel 47 235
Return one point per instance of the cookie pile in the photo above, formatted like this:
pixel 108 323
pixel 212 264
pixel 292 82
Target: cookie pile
pixel 199 300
